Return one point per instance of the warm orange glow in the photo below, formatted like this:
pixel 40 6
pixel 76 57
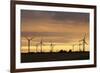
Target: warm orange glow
pixel 56 48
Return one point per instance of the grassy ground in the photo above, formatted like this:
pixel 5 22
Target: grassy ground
pixel 42 57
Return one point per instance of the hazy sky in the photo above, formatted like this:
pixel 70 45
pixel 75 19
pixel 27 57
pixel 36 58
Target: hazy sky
pixel 58 27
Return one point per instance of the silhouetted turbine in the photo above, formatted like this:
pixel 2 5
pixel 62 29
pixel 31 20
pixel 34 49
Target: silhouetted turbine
pixel 79 46
pixel 84 41
pixel 52 46
pixel 41 45
pixel 36 47
pixel 29 42
pixel 73 47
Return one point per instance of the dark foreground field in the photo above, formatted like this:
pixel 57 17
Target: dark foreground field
pixel 42 57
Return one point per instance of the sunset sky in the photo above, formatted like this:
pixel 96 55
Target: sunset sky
pixel 60 28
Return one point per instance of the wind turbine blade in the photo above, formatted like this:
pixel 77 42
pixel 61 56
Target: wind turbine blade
pixel 31 38
pixel 80 44
pixel 80 40
pixel 84 34
pixel 26 38
pixel 86 43
pixel 45 44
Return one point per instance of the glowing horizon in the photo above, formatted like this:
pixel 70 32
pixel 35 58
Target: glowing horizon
pixel 56 48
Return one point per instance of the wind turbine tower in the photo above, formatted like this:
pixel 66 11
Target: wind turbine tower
pixel 73 47
pixel 52 46
pixel 29 43
pixel 84 43
pixel 36 47
pixel 41 43
pixel 79 46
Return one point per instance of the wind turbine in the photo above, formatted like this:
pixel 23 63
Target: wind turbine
pixel 29 43
pixel 41 45
pixel 36 45
pixel 73 46
pixel 84 41
pixel 52 46
pixel 79 46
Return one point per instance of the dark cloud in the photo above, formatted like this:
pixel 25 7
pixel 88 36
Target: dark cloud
pixel 56 17
pixel 50 34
